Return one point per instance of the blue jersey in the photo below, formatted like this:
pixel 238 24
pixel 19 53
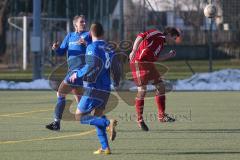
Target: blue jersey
pixel 96 71
pixel 75 50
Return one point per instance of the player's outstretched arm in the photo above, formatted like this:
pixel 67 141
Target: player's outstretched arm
pixel 135 47
pixel 55 46
pixel 61 50
pixel 169 55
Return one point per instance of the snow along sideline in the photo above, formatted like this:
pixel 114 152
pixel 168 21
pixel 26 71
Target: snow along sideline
pixel 228 79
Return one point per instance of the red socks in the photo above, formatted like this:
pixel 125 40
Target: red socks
pixel 139 104
pixel 160 101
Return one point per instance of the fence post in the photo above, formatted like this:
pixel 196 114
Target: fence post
pixel 24 43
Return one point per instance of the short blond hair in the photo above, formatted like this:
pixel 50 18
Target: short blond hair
pixel 75 18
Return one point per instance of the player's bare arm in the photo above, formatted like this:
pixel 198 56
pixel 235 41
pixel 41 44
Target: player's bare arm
pixel 170 54
pixel 135 47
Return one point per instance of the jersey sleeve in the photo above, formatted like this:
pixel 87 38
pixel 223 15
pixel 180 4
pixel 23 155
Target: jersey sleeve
pixel 64 46
pixel 92 65
pixel 88 38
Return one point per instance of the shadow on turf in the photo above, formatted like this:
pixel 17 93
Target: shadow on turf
pixel 187 130
pixel 126 151
pixel 180 153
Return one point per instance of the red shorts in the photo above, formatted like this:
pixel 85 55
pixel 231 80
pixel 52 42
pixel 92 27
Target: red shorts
pixel 144 73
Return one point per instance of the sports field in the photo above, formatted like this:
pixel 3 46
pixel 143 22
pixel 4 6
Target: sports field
pixel 207 128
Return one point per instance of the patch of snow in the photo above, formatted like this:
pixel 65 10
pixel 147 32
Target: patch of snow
pixel 228 79
pixel 36 84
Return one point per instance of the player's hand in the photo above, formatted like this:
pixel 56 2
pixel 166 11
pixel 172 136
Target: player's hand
pixel 73 77
pixel 172 53
pixel 82 41
pixel 55 46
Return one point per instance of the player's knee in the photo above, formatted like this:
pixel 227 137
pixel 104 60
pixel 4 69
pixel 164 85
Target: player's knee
pixel 64 89
pixel 160 89
pixel 141 93
pixel 78 116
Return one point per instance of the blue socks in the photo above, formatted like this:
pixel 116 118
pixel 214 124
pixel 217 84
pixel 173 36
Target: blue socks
pixel 61 101
pixel 96 121
pixel 102 136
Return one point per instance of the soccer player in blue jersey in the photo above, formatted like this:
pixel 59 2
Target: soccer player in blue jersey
pixel 96 73
pixel 74 44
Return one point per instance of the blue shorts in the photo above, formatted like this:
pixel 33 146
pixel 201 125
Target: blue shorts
pixel 93 98
pixel 78 82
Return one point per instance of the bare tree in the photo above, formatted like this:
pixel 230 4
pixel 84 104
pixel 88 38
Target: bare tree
pixel 3 21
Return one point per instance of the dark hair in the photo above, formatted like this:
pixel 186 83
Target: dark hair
pixel 97 29
pixel 172 31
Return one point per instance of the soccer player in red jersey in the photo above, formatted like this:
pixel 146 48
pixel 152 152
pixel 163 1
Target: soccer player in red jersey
pixel 146 50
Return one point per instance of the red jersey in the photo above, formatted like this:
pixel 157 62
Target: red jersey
pixel 151 46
